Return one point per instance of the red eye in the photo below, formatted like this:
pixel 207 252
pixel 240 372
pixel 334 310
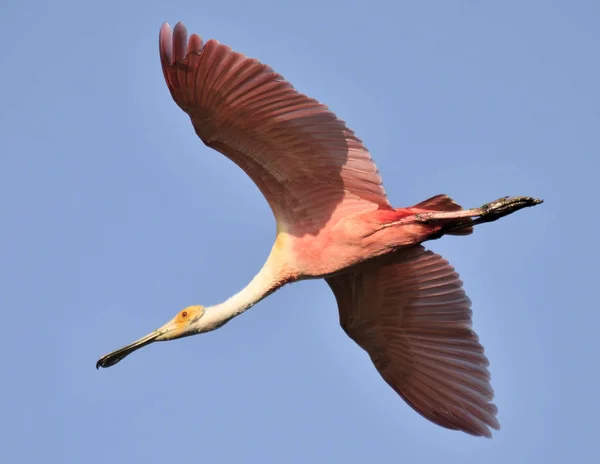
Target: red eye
pixel 184 314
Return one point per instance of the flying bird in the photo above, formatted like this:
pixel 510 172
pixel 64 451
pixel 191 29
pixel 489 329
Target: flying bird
pixel 403 304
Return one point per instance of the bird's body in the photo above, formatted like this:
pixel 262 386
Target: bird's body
pixel 403 304
pixel 346 242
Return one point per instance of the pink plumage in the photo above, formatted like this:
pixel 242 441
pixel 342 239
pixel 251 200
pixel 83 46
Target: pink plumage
pixel 404 305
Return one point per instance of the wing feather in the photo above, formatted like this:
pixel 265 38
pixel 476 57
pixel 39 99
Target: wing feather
pixel 310 167
pixel 409 312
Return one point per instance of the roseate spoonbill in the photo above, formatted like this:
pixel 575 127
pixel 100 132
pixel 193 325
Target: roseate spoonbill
pixel 404 305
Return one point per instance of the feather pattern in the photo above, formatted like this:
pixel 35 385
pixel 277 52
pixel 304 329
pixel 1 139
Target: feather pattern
pixel 311 168
pixel 409 312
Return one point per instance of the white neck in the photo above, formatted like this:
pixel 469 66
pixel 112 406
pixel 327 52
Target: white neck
pixel 269 279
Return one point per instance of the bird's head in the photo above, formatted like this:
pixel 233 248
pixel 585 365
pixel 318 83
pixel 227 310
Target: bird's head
pixel 187 322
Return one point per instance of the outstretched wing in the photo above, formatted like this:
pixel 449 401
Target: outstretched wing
pixel 409 312
pixel 310 167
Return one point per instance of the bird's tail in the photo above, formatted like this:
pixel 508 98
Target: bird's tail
pixel 442 203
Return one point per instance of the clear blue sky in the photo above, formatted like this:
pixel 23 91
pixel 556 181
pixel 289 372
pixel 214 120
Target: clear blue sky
pixel 115 216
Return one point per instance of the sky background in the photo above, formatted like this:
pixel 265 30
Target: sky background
pixel 114 216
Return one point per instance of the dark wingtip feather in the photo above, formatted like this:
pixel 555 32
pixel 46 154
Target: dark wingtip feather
pixel 179 41
pixel 165 44
pixel 195 44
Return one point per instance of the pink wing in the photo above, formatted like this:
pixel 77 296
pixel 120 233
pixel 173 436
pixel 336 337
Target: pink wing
pixel 409 312
pixel 310 167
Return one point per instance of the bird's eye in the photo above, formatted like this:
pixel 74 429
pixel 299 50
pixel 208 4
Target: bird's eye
pixel 184 314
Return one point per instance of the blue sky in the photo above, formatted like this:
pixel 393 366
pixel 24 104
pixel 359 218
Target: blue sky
pixel 115 216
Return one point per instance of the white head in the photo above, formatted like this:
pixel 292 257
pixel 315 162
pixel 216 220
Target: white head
pixel 198 319
pixel 189 321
